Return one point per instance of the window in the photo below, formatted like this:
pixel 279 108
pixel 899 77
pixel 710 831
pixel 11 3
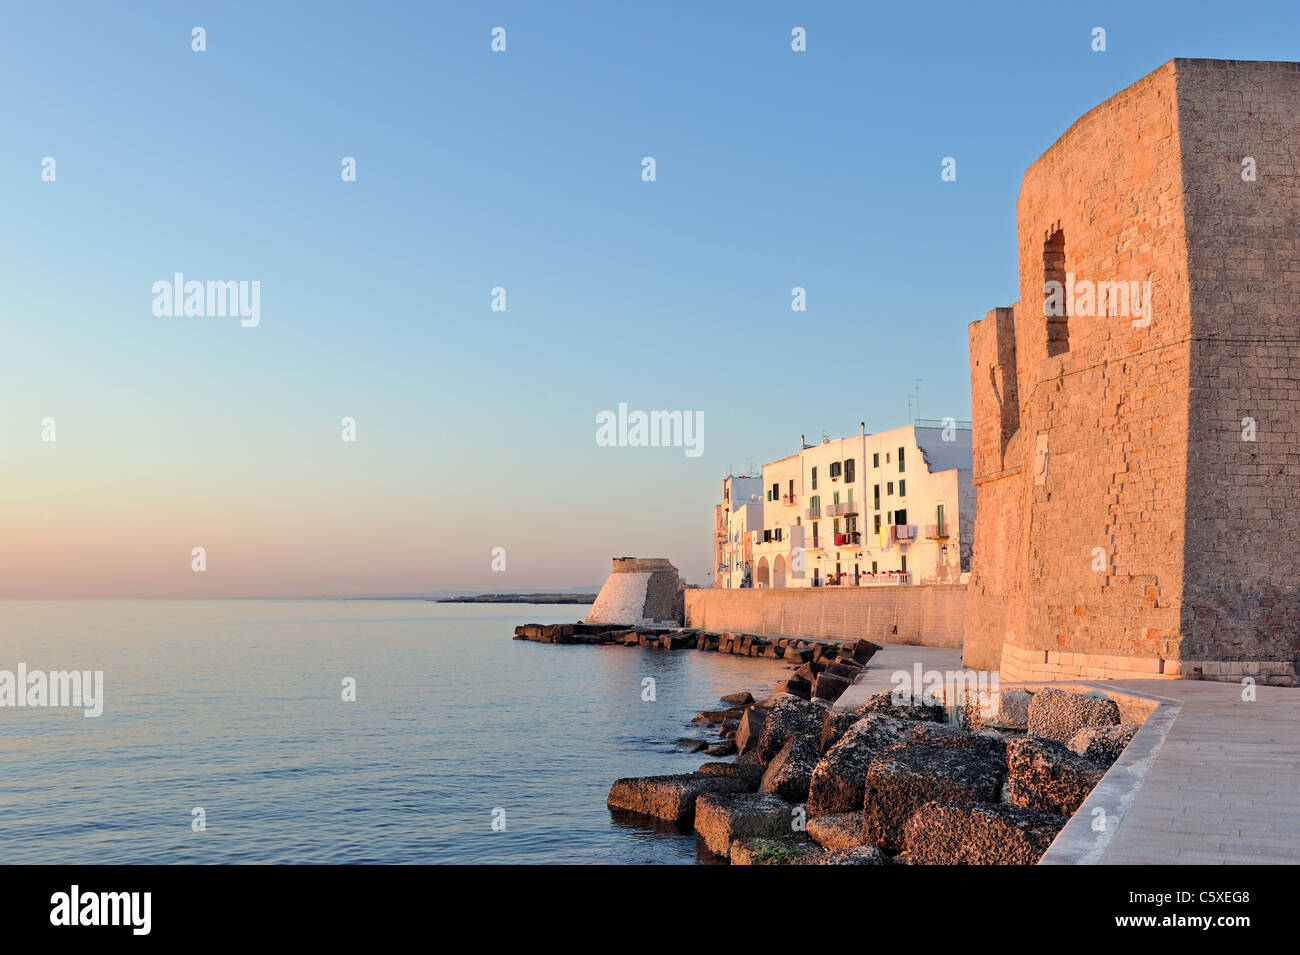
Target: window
pixel 767 536
pixel 901 469
pixel 877 523
pixel 836 469
pixel 938 519
pixel 1055 308
pixel 903 558
pixel 851 524
pixel 875 460
pixel 814 533
pixel 877 497
pixel 776 534
pixel 815 504
pixel 900 517
pixel 837 526
pixel 889 488
pixel 776 493
pixel 848 471
pixel 814 479
pixel 902 489
pixel 792 490
pixel 873 566
pixel 835 499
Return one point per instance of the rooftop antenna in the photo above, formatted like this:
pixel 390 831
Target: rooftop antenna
pixel 918 396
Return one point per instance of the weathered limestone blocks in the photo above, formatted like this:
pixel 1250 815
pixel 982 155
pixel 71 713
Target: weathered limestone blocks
pixel 670 797
pixel 884 702
pixel 765 850
pixel 791 770
pixel 1103 744
pixel 1042 774
pixel 839 779
pixel 852 855
pixel 905 777
pixel 939 834
pixel 723 818
pixel 790 716
pixel 841 830
pixel 1056 714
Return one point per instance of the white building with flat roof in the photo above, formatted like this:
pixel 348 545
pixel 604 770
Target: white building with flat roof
pixel 896 507
pixel 743 494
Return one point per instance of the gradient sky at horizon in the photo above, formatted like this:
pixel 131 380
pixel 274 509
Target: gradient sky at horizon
pixel 476 429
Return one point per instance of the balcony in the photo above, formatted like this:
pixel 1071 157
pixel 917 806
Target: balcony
pixel 846 507
pixel 936 532
pixel 789 499
pixel 902 532
pixel 849 539
pixel 813 513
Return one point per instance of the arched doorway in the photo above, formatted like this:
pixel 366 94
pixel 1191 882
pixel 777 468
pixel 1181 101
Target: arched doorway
pixel 761 578
pixel 778 571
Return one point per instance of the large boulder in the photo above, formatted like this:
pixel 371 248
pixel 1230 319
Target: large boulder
pixel 864 650
pixel 750 729
pixel 905 777
pixel 835 724
pixel 830 687
pixel 838 781
pixel 789 774
pixel 670 797
pixel 1056 714
pixel 938 834
pixel 903 707
pixel 841 830
pixel 795 687
pixel 1042 774
pixel 722 818
pixel 853 855
pixel 1103 744
pixel 765 850
pixel 945 734
pixel 790 717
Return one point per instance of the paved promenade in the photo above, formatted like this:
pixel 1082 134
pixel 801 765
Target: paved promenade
pixel 1210 779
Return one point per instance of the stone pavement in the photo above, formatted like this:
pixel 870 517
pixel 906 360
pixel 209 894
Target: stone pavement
pixel 1210 779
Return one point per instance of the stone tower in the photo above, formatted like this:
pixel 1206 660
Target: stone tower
pixel 1136 444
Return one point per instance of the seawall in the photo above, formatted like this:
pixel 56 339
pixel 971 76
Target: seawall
pixel 931 615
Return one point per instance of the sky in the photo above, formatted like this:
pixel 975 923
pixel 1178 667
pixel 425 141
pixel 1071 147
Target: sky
pixel 478 169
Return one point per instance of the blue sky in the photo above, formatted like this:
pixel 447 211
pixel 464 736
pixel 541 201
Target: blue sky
pixel 477 169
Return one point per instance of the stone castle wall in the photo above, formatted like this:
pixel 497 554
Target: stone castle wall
pixel 1101 466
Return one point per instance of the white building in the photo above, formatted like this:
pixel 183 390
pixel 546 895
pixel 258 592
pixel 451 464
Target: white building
pixel 740 511
pixel 891 508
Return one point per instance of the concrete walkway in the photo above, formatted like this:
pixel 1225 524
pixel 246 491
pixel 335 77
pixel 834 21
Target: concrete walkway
pixel 1210 778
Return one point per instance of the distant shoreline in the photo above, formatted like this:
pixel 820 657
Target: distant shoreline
pixel 519 599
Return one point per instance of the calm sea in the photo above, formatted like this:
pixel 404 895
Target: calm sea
pixel 236 707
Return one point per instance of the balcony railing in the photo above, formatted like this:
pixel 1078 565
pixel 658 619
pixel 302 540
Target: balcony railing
pixel 790 499
pixel 844 507
pixel 936 532
pixel 813 513
pixel 902 532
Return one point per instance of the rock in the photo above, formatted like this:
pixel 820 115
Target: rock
pixel 750 729
pixel 840 830
pixel 751 773
pixel 839 778
pixel 864 650
pixel 938 834
pixel 670 797
pixel 799 654
pixel 790 772
pixel 830 687
pixel 849 673
pixel 1103 744
pixel 1055 714
pixel 721 749
pixel 762 850
pixel 692 745
pixel 809 672
pixel 738 699
pixel 853 855
pixel 905 777
pixel 723 818
pixel 790 717
pixel 799 688
pixel 729 728
pixel 1043 774
pixel 834 725
pixel 945 734
pixel 903 708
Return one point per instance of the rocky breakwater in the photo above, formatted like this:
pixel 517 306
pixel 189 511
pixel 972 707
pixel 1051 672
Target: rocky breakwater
pixel 822 669
pixel 893 781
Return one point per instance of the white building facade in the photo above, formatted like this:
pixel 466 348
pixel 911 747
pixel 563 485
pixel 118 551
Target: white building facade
pixel 892 508
pixel 740 511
